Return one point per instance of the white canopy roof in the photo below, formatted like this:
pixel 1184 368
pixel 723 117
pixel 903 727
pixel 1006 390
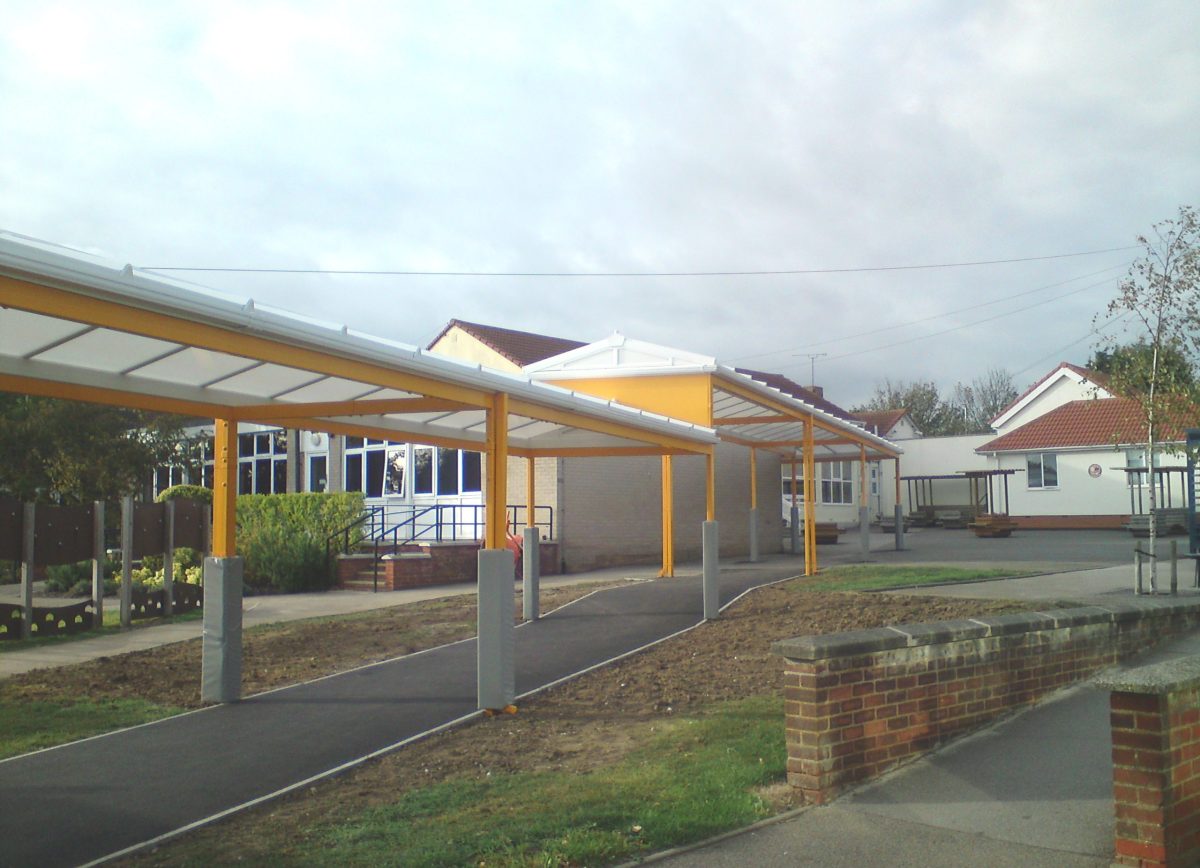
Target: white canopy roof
pixel 73 325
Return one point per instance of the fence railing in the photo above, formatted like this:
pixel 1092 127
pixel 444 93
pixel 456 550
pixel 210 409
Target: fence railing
pixel 391 527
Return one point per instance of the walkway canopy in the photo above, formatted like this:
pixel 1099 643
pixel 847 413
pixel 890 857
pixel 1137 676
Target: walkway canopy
pixel 74 326
pixel 749 408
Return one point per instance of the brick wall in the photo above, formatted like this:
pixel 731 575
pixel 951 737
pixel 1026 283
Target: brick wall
pixel 1155 715
pixel 612 508
pixel 860 703
pixel 421 564
pixel 1071 522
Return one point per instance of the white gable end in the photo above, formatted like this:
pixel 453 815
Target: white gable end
pixel 618 356
pixel 1062 387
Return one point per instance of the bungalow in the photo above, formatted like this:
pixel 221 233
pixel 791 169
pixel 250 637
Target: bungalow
pixel 1070 444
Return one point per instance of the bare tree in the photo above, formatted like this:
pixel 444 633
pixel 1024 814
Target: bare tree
pixel 1161 297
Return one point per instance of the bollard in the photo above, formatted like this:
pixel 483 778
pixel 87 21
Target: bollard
pixel 899 528
pixel 1174 567
pixel 754 535
pixel 1137 567
pixel 795 520
pixel 221 645
pixel 864 532
pixel 710 549
pixel 495 646
pixel 531 575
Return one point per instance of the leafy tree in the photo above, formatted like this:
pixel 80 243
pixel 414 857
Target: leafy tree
pixel 972 408
pixel 1131 361
pixel 968 410
pixel 1161 299
pixel 920 398
pixel 69 452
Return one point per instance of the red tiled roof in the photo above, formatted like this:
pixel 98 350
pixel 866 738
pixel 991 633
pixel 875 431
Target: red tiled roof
pixel 1094 422
pixel 1089 375
pixel 880 421
pixel 789 387
pixel 520 348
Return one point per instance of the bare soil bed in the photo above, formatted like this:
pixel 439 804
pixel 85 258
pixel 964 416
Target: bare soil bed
pixel 575 727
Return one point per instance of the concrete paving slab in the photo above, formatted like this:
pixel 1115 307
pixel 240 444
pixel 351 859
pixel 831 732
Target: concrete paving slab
pixel 1042 778
pixel 833 837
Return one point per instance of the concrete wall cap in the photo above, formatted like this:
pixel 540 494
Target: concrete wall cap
pixel 940 632
pixel 1153 678
pixel 1020 622
pixel 1079 617
pixel 839 644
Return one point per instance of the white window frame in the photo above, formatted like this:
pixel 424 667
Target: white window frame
pixel 837 477
pixel 1041 474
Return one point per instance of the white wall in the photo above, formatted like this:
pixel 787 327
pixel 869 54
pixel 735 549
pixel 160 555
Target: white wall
pixel 934 456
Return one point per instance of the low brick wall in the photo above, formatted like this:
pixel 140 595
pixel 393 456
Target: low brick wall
pixel 419 565
pixel 1156 763
pixel 860 703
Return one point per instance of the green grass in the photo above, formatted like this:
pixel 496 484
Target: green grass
pixel 693 780
pixel 874 578
pixel 31 725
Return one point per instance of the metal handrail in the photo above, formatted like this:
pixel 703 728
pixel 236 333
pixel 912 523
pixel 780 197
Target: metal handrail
pixel 385 533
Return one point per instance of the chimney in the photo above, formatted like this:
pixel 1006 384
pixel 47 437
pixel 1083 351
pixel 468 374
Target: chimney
pixel 819 391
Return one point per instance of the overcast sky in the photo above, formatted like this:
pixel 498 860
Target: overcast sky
pixel 624 137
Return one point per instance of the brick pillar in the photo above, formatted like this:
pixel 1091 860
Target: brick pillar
pixel 1156 776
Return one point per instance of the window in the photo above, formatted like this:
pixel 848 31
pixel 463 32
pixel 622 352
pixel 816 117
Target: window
pixel 447 471
pixel 472 472
pixel 1042 470
pixel 874 480
pixel 367 468
pixel 318 473
pixel 393 485
pixel 423 470
pixel 837 482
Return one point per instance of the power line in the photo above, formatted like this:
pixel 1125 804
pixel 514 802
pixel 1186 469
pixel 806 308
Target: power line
pixel 762 273
pixel 907 323
pixel 964 325
pixel 1058 353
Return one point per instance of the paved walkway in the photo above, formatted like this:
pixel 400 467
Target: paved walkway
pixel 113 792
pixel 1033 790
pixel 269 609
pixel 121 789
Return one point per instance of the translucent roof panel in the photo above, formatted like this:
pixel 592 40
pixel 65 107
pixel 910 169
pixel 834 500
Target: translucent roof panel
pixel 22 334
pixel 106 350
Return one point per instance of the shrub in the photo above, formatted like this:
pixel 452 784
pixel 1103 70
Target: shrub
pixel 76 579
pixel 186 492
pixel 282 537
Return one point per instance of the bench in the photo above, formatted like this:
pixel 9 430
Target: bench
pixel 993 525
pixel 827 532
pixel 951 519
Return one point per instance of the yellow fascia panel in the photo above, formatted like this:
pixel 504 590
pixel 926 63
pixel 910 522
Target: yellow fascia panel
pixel 681 396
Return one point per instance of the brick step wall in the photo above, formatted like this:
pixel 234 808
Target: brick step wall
pixel 423 564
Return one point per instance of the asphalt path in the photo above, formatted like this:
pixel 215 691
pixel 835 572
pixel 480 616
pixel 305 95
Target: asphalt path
pixel 84 801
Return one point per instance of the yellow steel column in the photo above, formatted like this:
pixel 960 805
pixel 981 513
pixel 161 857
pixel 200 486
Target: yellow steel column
pixel 494 507
pixel 810 502
pixel 753 478
pixel 225 466
pixel 668 521
pixel 710 484
pixel 530 492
